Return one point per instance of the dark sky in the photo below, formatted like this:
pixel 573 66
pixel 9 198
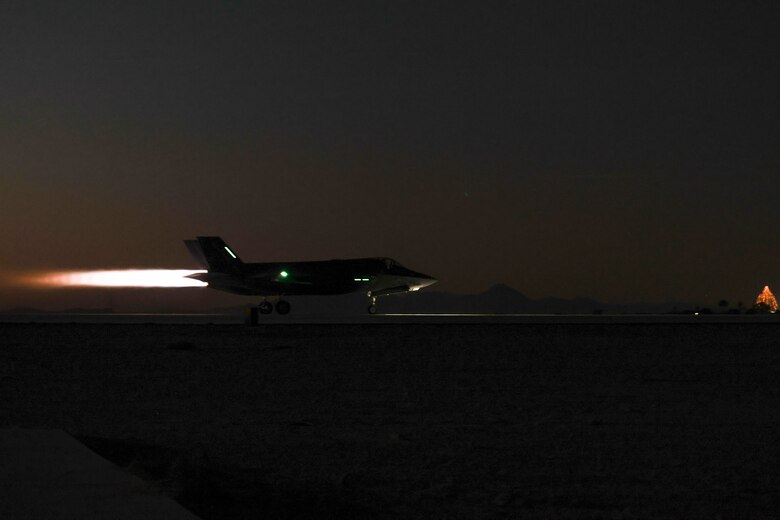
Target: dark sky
pixel 621 150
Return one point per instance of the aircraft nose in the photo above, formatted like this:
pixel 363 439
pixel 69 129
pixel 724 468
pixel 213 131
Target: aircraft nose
pixel 429 280
pixel 423 280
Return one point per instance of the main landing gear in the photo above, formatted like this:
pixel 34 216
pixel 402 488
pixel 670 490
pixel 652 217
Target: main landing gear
pixel 282 307
pixel 372 305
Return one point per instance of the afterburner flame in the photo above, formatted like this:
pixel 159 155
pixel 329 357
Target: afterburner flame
pixel 767 298
pixel 114 278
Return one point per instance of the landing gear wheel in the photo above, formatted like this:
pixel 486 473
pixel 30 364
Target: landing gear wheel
pixel 372 309
pixel 283 307
pixel 265 308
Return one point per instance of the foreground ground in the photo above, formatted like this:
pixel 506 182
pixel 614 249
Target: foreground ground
pixel 417 421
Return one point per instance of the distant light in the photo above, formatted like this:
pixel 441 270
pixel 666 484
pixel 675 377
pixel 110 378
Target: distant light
pixel 768 299
pixel 283 274
pixel 361 279
pixel 230 252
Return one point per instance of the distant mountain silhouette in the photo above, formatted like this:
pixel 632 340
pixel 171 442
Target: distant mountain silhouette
pixel 498 299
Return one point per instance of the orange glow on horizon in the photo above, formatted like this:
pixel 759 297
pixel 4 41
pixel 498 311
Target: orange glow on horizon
pixel 112 278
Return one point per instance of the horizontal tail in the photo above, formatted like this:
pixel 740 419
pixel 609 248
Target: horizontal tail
pixel 213 253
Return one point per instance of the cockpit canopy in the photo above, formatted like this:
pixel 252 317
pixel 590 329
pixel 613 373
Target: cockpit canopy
pixel 390 263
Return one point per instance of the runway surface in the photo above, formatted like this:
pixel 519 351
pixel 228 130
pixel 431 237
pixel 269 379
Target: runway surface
pixel 48 475
pixel 417 420
pixel 365 319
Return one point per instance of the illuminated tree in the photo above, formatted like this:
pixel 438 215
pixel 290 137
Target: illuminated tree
pixel 767 299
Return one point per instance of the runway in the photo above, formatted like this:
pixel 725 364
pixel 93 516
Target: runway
pixel 390 420
pixel 390 318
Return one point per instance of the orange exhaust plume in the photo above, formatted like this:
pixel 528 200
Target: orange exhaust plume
pixel 113 278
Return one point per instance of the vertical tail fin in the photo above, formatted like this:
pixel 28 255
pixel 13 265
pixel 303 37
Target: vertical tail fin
pixel 213 254
pixel 197 253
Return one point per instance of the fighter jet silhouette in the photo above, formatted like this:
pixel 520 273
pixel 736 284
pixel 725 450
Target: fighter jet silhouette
pixel 226 272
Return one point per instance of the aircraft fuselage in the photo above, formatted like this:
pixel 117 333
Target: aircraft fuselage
pixel 317 278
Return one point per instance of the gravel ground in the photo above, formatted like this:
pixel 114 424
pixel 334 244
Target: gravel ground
pixel 417 421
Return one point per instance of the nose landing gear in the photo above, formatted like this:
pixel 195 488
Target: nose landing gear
pixel 372 306
pixel 373 295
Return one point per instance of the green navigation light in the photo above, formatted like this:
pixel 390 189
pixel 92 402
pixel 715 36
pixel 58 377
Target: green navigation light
pixel 283 274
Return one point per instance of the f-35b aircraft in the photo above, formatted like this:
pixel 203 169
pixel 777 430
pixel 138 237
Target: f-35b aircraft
pixel 226 272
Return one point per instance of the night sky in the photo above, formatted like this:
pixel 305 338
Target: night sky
pixel 625 151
